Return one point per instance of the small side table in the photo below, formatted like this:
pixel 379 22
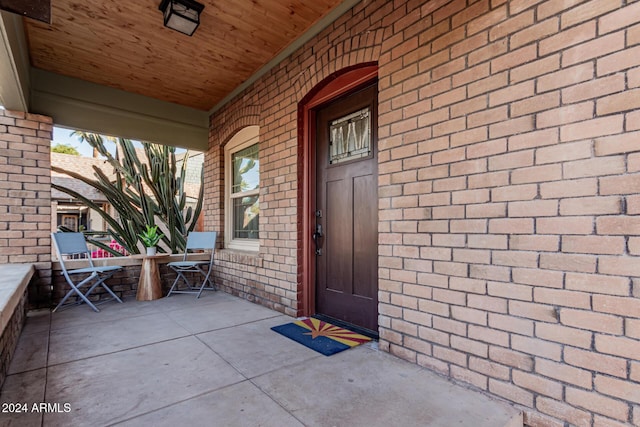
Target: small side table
pixel 149 285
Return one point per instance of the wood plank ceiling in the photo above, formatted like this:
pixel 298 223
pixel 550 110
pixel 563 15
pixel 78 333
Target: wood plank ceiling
pixel 123 44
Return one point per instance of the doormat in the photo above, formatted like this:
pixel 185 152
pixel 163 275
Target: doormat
pixel 321 336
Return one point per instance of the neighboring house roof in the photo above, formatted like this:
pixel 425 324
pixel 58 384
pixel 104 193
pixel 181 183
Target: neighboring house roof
pixel 81 165
pixel 84 166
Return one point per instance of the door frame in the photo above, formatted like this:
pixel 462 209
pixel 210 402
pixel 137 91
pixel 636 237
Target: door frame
pixel 334 86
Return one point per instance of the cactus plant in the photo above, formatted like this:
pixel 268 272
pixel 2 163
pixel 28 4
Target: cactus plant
pixel 140 192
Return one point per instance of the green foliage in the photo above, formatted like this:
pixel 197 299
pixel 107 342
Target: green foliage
pixel 141 192
pixel 150 237
pixel 65 149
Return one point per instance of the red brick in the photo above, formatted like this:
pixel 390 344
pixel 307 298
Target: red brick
pixel 467 45
pixel 564 335
pixel 621 18
pixel 564 152
pixel 567 262
pixel 592 49
pixel 627 100
pixel 569 188
pixel 535 32
pixel 535 104
pixel 451 356
pixel 511 392
pixel 621 306
pixel 597 403
pixel 622 265
pixel 488 241
pixel 491 179
pixel 537 384
pixel 573 416
pixel 617 144
pixel 470 346
pixel 488 368
pixel 486 303
pixel 598 166
pixel 592 128
pixel 598 284
pixel 511 226
pixel 533 311
pixel 563 372
pixel 487 148
pixel 511 93
pixel 622 389
pixel 565 225
pixel 487 84
pixel 488 20
pixel 564 115
pixel 618 61
pixel 472 256
pixel 562 298
pixel 568 38
pixel 593 244
pixel 488 116
pixel 626 184
pixel 594 89
pixel 633 35
pixel 469 315
pixel 536 419
pixel 533 208
pixel 514 192
pixel 486 210
pixel 511 160
pixel 618 225
pixel 510 26
pixel 591 321
pixel 588 11
pixel 468 167
pixel 565 77
pixel 511 324
pixel 595 362
pixel 543 173
pixel 451 326
pixel 547 243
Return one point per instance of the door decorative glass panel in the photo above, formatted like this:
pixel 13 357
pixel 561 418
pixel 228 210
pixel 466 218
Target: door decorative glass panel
pixel 350 137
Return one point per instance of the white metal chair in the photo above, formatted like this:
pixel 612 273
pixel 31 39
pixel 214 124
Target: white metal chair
pixel 68 245
pixel 196 241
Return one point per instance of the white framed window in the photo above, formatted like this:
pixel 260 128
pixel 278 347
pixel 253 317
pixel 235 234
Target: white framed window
pixel 242 191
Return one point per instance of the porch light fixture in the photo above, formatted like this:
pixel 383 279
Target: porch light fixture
pixel 181 15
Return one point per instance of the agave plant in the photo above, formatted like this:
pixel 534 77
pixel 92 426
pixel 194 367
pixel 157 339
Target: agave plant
pixel 140 192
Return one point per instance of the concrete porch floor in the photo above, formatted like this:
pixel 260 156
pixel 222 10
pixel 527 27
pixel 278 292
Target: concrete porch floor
pixel 215 362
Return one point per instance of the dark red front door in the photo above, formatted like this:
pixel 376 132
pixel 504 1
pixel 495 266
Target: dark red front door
pixel 346 231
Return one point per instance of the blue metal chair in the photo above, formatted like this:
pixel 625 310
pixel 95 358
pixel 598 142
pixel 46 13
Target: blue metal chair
pixel 196 241
pixel 69 245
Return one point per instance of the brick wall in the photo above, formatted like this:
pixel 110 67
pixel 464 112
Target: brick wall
pixel 509 202
pixel 125 282
pixel 25 197
pixel 10 335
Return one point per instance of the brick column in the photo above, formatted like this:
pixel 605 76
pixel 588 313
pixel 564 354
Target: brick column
pixel 25 197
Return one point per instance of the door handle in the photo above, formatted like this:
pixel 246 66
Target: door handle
pixel 318 238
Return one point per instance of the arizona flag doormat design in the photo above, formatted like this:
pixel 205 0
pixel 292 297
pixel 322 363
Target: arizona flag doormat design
pixel 321 336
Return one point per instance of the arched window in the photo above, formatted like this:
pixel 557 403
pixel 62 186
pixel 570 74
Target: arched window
pixel 242 190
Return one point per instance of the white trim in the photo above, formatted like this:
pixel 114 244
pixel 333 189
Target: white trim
pixel 243 139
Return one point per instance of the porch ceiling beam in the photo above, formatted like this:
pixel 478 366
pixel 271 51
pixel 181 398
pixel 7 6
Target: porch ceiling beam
pixel 14 63
pixel 295 45
pixel 77 104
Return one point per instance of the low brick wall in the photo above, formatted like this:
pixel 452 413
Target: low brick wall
pixel 14 284
pixel 124 283
pixel 10 335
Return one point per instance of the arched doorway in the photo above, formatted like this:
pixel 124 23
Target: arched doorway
pixel 339 243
